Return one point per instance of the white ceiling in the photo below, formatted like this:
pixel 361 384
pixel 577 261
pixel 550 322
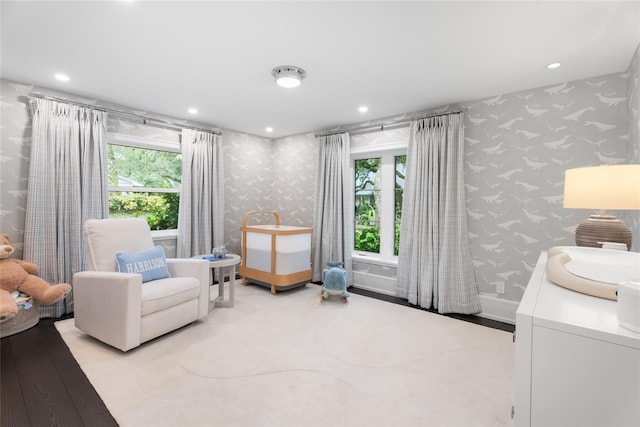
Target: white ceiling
pixel 395 57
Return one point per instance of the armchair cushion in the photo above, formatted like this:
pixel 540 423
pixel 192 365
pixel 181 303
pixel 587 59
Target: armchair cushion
pixel 105 237
pixel 150 263
pixel 164 293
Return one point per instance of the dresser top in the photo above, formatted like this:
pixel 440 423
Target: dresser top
pixel 558 308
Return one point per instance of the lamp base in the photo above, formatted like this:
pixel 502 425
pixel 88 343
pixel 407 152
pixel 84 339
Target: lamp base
pixel 602 228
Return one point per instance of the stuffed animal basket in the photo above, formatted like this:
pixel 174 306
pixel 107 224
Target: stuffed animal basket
pixel 27 317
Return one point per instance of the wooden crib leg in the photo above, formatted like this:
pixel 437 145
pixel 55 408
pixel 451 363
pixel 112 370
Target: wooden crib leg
pixel 273 289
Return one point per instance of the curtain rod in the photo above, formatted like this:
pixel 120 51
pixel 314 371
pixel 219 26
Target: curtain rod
pixel 393 124
pixel 145 119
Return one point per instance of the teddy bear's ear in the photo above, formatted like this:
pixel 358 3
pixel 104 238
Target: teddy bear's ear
pixel 4 236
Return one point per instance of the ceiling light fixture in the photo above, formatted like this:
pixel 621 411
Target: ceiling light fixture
pixel 363 109
pixel 62 77
pixel 288 76
pixel 193 111
pixel 269 129
pixel 554 65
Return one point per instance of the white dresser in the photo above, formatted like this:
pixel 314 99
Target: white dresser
pixel 575 366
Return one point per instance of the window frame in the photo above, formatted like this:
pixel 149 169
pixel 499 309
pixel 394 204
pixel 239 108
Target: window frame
pixel 133 141
pixel 387 153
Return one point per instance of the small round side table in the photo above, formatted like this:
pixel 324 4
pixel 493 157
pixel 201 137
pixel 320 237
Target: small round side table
pixel 219 264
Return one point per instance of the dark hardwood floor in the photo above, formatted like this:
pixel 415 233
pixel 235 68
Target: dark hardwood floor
pixel 43 385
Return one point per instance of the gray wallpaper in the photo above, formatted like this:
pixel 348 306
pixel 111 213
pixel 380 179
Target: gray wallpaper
pixel 633 95
pixel 15 146
pixel 518 147
pixel 248 177
pixel 294 162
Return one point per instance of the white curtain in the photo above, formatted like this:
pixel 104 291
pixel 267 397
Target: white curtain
pixel 201 215
pixel 333 206
pixel 68 184
pixel 434 264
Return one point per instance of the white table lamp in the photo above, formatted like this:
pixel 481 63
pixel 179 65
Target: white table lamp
pixel 613 187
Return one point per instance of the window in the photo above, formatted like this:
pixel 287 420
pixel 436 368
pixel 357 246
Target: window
pixel 367 217
pixel 144 180
pixel 379 186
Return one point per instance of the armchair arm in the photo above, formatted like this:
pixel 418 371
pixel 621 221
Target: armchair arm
pixel 193 267
pixel 108 305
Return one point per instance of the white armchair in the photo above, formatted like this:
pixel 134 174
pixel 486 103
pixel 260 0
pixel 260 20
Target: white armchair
pixel 120 310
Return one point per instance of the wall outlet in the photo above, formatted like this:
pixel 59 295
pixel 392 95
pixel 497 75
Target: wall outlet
pixel 500 287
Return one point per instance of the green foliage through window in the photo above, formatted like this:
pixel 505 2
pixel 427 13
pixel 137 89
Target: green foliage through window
pixel 147 168
pixel 370 202
pixel 401 166
pixel 133 174
pixel 159 209
pixel 367 198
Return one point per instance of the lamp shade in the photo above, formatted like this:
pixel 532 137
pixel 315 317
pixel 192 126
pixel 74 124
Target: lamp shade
pixel 613 187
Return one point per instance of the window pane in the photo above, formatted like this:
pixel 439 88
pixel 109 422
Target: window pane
pixel 401 166
pixel 139 167
pixel 367 209
pixel 159 209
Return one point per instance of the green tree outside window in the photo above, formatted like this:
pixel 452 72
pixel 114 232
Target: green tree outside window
pixel 142 171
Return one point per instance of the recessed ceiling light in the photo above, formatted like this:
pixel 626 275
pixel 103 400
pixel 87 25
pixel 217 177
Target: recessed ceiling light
pixel 62 77
pixel 288 76
pixel 363 108
pixel 193 111
pixel 554 65
pixel 269 129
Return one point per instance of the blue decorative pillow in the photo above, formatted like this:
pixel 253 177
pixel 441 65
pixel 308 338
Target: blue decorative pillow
pixel 151 263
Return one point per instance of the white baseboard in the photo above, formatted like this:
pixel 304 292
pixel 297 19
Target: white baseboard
pixel 374 283
pixel 498 309
pixel 493 307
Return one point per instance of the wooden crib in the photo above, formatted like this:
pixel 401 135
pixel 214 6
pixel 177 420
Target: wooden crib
pixel 275 255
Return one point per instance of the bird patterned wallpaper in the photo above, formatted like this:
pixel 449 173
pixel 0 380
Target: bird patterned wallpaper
pixel 248 182
pixel 295 162
pixel 633 93
pixel 517 149
pixel 15 145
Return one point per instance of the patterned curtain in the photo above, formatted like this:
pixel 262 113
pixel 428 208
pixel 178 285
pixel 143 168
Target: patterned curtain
pixel 333 206
pixel 434 261
pixel 68 184
pixel 201 215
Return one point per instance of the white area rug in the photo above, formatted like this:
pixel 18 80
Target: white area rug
pixel 291 360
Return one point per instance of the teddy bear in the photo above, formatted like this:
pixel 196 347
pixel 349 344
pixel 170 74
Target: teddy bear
pixel 19 275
